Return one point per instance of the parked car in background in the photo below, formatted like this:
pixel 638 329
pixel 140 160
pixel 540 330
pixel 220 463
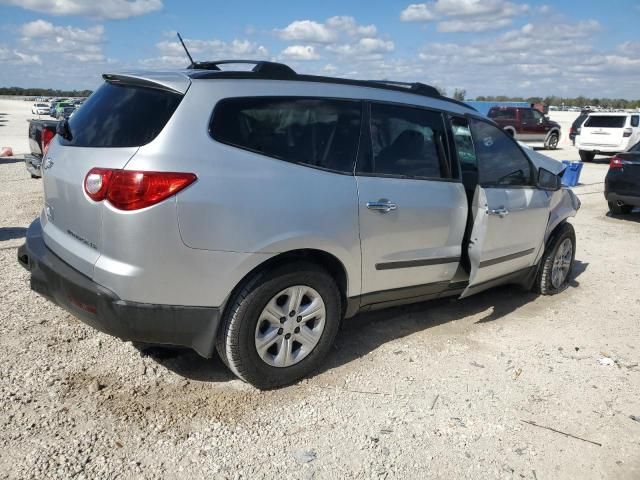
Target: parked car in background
pixel 575 126
pixel 66 112
pixel 607 134
pixel 378 194
pixel 40 109
pixel 40 134
pixel 622 183
pixel 527 125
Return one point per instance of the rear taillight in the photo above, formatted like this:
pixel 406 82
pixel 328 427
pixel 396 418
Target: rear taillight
pixel 45 139
pixel 616 162
pixel 133 190
pixel 627 132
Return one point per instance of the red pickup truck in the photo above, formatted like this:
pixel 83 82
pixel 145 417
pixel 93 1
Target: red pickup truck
pixel 527 125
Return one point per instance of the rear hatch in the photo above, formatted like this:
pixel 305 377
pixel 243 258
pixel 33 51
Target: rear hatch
pixel 123 114
pixel 603 130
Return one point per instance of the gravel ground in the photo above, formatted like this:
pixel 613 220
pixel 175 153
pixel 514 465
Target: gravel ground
pixel 436 390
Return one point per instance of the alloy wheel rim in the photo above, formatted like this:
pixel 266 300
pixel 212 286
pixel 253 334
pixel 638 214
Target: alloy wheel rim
pixel 290 326
pixel 562 263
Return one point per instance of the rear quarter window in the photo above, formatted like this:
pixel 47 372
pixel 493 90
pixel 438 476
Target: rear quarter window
pixel 121 116
pixel 605 121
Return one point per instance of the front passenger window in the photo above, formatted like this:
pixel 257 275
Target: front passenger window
pixel 500 160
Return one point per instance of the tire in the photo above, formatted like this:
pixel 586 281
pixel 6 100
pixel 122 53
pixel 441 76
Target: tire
pixel 586 156
pixel 546 283
pixel 552 142
pixel 237 336
pixel 616 209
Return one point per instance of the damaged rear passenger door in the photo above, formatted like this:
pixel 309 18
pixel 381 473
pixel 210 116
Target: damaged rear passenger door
pixel 510 213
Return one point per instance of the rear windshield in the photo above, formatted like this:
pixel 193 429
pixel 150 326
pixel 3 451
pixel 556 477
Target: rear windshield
pixel 605 121
pixel 121 116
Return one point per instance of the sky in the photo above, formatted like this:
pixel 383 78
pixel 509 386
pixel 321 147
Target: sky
pixel 486 47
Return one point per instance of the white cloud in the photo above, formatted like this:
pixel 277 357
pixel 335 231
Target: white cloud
pixel 328 32
pixel 108 9
pixel 307 31
pixel 18 58
pixel 300 52
pixel 479 8
pixel 417 12
pixel 73 43
pixel 172 55
pixel 473 25
pixel 465 15
pixel 365 47
pixel 351 27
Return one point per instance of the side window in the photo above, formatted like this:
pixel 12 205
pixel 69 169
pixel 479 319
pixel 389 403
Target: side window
pixel 461 134
pixel 407 142
pixel 316 132
pixel 500 160
pixel 537 116
pixel 464 144
pixel 635 120
pixel 527 115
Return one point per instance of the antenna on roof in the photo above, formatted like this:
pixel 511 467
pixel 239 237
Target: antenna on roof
pixel 185 50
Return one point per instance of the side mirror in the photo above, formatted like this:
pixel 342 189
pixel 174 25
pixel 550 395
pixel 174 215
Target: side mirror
pixel 548 181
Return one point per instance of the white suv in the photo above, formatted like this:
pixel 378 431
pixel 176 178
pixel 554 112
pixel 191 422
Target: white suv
pixel 607 134
pixel 250 212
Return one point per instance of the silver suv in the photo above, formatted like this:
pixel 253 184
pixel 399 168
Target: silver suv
pixel 250 212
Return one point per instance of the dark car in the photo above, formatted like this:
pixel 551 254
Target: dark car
pixel 527 125
pixel 575 126
pixel 622 183
pixel 41 132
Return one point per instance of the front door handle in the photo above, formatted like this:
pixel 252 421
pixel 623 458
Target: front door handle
pixel 501 211
pixel 383 205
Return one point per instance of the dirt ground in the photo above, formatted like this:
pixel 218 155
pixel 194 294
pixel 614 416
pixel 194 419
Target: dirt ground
pixel 444 389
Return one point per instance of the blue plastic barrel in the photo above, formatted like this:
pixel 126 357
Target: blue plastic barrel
pixel 571 175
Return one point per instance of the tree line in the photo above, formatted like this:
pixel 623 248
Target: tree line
pixel 570 102
pixel 43 92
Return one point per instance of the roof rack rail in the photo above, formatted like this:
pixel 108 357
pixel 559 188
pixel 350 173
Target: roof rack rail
pixel 262 67
pixel 415 87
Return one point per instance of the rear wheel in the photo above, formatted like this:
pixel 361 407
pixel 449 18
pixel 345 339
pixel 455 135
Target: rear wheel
pixel 586 156
pixel 280 325
pixel 552 142
pixel 616 209
pixel 557 262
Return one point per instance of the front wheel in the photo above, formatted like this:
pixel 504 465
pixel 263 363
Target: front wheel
pixel 557 262
pixel 586 156
pixel 552 142
pixel 281 325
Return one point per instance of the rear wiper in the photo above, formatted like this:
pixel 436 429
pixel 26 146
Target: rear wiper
pixel 63 130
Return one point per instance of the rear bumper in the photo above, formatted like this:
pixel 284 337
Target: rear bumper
pixel 601 148
pixel 33 164
pixel 633 200
pixel 192 327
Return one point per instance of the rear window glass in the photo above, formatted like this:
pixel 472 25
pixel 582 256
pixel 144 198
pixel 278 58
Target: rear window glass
pixel 317 132
pixel 605 121
pixel 121 116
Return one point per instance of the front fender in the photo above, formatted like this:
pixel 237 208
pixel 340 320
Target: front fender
pixel 564 204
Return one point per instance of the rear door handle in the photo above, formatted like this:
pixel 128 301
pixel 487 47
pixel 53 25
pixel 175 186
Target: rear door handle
pixel 382 205
pixel 501 211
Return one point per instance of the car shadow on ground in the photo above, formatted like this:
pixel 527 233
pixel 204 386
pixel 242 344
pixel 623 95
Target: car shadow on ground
pixel 10 233
pixel 634 216
pixel 367 331
pixel 14 159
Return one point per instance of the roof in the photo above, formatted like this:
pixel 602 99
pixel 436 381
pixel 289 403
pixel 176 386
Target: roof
pixel 180 80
